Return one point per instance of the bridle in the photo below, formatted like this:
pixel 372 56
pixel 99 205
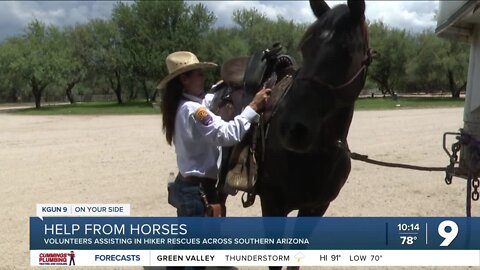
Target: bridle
pixel 367 60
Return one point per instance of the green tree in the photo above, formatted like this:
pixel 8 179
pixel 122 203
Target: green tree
pixel 73 55
pixel 150 30
pixel 107 55
pixel 388 69
pixel 222 44
pixel 456 66
pixel 424 69
pixel 260 32
pixel 11 84
pixel 136 59
pixel 36 59
pixel 437 63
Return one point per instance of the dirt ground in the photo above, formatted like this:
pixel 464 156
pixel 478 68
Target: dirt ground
pixel 125 159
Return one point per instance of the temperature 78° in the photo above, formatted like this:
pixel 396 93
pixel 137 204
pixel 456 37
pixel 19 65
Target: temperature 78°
pixel 408 240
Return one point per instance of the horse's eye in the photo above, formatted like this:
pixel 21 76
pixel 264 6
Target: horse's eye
pixel 326 35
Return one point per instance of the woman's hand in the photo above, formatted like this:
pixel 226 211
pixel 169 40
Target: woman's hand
pixel 260 99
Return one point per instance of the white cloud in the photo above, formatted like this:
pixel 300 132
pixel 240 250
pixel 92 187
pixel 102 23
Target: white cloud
pixel 413 16
pixel 14 15
pixel 79 14
pixel 410 15
pixel 272 9
pixel 101 9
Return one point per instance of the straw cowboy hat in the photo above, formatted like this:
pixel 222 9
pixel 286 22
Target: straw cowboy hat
pixel 181 62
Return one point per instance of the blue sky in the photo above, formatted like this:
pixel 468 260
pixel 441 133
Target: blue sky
pixel 413 16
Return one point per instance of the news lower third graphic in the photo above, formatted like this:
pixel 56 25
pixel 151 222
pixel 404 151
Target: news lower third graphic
pixel 70 236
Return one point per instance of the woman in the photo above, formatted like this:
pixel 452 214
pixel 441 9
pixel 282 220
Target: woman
pixel 196 132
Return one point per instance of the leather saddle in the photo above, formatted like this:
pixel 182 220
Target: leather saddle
pixel 242 77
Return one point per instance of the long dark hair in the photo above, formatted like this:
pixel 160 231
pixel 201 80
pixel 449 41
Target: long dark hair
pixel 169 104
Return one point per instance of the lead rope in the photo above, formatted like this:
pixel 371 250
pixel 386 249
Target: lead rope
pixel 365 158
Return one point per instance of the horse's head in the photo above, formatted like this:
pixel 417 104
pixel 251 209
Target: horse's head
pixel 334 50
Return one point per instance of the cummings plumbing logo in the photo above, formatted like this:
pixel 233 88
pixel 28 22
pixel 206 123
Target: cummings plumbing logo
pixel 57 258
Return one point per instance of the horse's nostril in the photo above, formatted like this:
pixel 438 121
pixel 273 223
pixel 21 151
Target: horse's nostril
pixel 299 131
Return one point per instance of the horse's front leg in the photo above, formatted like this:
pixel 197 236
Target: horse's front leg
pixel 272 206
pixel 272 202
pixel 313 212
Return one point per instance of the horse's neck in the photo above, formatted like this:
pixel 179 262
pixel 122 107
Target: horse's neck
pixel 337 127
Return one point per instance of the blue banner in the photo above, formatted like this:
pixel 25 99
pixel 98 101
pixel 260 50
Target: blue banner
pixel 254 233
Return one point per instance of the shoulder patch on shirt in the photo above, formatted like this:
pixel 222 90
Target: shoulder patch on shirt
pixel 202 116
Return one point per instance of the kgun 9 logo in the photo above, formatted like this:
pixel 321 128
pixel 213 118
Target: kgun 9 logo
pixel 448 235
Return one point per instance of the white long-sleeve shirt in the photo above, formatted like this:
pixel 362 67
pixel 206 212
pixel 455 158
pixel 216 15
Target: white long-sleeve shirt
pixel 199 135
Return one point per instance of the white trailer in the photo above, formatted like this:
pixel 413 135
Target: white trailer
pixel 461 20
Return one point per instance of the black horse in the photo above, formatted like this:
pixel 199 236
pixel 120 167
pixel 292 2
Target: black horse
pixel 307 160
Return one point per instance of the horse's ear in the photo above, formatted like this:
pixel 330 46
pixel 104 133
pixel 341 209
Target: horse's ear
pixel 319 7
pixel 357 10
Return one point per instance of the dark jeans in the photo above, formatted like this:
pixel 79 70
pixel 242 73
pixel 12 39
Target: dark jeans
pixel 186 196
